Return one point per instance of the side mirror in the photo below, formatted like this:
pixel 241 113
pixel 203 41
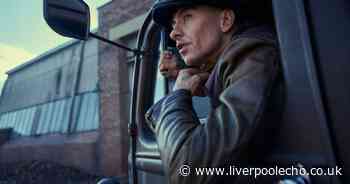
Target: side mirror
pixel 70 18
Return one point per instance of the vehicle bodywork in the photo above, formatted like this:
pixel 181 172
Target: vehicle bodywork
pixel 314 53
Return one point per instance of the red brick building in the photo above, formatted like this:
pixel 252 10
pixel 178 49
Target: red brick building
pixel 71 104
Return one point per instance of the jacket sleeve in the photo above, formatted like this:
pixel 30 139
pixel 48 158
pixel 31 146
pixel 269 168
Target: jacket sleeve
pixel 247 75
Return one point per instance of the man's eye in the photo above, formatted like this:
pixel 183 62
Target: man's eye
pixel 187 17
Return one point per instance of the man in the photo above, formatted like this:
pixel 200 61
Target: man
pixel 233 59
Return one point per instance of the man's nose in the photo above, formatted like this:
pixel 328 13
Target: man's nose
pixel 176 33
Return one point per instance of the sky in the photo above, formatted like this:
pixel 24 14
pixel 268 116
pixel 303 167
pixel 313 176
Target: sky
pixel 24 33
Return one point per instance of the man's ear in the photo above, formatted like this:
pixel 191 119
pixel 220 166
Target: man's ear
pixel 227 20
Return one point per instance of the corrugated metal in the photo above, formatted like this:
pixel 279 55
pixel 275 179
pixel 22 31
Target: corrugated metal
pixel 88 113
pixel 52 78
pixel 54 116
pixel 47 95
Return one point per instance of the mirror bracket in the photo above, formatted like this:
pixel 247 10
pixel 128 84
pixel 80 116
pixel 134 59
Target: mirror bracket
pixel 135 51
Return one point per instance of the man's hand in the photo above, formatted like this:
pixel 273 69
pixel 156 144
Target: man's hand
pixel 193 80
pixel 168 65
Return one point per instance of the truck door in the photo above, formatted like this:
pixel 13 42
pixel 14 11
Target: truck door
pixel 314 53
pixel 152 86
pixel 313 39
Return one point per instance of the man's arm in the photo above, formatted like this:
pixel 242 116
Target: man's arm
pixel 183 140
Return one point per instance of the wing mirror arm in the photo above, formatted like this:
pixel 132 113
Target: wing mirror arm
pixel 135 51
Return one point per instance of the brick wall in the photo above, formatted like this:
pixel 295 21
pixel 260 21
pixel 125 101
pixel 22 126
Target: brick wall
pixel 113 137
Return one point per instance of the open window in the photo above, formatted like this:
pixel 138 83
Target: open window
pixel 164 86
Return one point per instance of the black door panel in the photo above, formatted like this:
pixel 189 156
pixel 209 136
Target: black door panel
pixel 330 25
pixel 304 136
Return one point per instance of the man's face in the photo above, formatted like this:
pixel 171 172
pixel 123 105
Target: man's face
pixel 198 34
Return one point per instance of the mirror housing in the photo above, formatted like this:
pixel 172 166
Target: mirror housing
pixel 70 18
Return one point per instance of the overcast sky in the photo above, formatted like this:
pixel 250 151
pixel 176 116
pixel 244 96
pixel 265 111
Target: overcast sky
pixel 24 34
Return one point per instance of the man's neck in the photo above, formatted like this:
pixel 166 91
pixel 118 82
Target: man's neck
pixel 209 65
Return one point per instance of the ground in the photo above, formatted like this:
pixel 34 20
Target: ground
pixel 40 172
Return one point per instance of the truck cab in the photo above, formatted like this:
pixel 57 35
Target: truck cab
pixel 313 129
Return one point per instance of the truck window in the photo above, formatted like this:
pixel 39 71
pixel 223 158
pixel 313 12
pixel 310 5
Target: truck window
pixel 200 104
pixel 159 87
